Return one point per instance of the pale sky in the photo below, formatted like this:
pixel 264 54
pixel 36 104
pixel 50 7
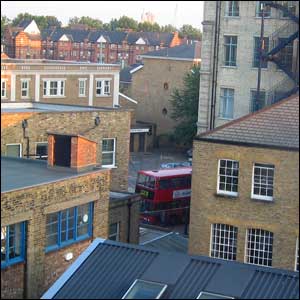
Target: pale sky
pixel 188 12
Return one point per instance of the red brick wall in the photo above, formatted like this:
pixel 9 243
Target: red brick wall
pixel 55 263
pixel 12 282
pixel 12 119
pixel 83 152
pixel 50 150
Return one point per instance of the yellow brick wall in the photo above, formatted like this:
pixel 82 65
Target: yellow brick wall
pixel 280 216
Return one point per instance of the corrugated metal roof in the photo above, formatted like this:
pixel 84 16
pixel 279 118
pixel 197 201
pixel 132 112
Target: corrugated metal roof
pixel 111 267
pixel 276 125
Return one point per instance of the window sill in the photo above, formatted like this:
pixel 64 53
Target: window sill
pixel 262 199
pixel 224 195
pixel 7 265
pixel 256 68
pixel 227 119
pixel 54 96
pixel 229 67
pixel 232 17
pixel 67 244
pixel 101 96
pixel 82 96
pixel 109 167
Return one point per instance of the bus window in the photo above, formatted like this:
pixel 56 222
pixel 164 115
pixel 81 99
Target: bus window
pixel 146 181
pixel 164 184
pixel 179 182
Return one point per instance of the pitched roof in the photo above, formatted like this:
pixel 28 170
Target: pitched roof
pixel 126 73
pixel 24 23
pixel 151 38
pixel 190 52
pixel 106 270
pixel 274 126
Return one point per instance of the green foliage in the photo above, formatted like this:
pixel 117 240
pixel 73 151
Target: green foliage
pixel 185 107
pixel 148 27
pixel 168 28
pixel 191 32
pixel 90 22
pixel 4 22
pixel 42 22
pixel 127 23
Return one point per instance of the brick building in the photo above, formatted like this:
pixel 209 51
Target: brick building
pixel 59 82
pixel 81 44
pixel 87 170
pixel 230 58
pixel 23 41
pixel 153 82
pixel 245 189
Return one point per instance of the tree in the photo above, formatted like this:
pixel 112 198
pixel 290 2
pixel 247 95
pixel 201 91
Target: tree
pixel 185 107
pixel 168 28
pixel 4 22
pixel 190 32
pixel 42 22
pixel 90 22
pixel 127 23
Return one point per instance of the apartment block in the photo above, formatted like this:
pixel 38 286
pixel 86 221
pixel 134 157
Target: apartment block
pixel 47 81
pixel 79 43
pixel 245 189
pixel 230 58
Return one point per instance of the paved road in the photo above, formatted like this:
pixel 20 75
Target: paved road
pixel 150 161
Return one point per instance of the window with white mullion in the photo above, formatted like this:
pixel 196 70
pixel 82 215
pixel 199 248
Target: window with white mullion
pixel 24 88
pixel 3 88
pixel 98 88
pixel 259 247
pixel 232 9
pixel 82 87
pixel 54 88
pixel 108 152
pixel 228 177
pixel 263 181
pixel 224 241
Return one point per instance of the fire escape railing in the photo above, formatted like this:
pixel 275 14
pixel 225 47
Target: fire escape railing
pixel 282 52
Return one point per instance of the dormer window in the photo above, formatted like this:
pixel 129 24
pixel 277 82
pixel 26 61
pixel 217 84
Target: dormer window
pixel 142 289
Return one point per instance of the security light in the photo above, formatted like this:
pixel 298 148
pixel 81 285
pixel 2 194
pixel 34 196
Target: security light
pixel 97 120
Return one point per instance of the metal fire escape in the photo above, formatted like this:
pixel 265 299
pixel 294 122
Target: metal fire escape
pixel 284 50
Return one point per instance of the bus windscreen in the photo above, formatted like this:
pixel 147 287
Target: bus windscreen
pixel 146 181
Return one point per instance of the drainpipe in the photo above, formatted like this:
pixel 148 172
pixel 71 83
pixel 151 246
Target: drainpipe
pixel 129 204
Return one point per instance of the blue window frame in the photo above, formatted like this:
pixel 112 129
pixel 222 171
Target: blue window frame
pixel 12 244
pixel 69 226
pixel 230 45
pixel 226 103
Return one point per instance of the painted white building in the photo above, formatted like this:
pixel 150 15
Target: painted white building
pixel 230 58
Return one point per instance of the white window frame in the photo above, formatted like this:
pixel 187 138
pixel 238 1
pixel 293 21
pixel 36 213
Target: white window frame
pixel 213 238
pixel 117 234
pixel 222 192
pixel 4 81
pixel 212 294
pixel 227 10
pixel 80 80
pixel 14 144
pixel 164 287
pixel 246 248
pixel 224 100
pixel 36 144
pixel 297 255
pixel 113 165
pixel 23 80
pixel 61 86
pixel 103 89
pixel 262 197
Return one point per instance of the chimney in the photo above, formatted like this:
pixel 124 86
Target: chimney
pixel 71 151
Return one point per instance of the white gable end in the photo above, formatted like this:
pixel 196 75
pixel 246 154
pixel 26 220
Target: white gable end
pixel 32 28
pixel 64 38
pixel 140 41
pixel 101 39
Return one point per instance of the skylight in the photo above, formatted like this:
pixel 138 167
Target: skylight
pixel 205 295
pixel 141 289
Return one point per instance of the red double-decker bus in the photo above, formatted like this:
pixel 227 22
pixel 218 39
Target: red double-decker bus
pixel 166 195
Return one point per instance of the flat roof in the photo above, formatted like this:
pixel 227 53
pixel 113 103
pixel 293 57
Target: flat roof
pixel 49 107
pixel 19 173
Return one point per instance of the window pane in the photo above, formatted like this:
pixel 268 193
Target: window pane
pixel 83 217
pixel 52 229
pixel 226 103
pixel 108 145
pixel 13 150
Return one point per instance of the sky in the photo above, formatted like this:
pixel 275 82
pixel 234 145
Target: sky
pixel 188 12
